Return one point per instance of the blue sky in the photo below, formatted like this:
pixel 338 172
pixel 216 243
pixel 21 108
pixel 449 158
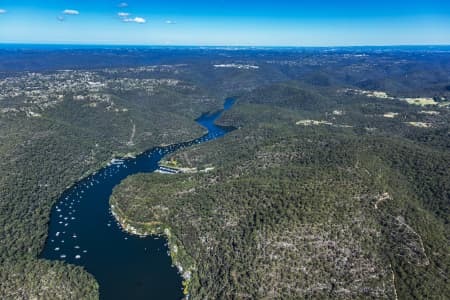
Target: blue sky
pixel 231 22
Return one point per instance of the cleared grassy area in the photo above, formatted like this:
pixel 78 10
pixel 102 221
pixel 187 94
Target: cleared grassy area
pixel 313 122
pixel 419 124
pixel 420 101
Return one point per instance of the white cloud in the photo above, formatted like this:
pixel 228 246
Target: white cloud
pixel 123 4
pixel 139 20
pixel 71 12
pixel 171 22
pixel 135 20
pixel 2 11
pixel 123 14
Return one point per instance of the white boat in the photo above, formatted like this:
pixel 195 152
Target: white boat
pixel 116 161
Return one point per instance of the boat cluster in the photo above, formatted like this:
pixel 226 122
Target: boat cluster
pixel 64 239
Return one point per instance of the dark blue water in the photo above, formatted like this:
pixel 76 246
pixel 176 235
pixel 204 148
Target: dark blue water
pixel 83 231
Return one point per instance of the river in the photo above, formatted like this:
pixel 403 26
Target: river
pixel 83 231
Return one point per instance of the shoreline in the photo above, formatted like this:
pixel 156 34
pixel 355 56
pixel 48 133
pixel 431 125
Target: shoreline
pixel 158 229
pixel 184 263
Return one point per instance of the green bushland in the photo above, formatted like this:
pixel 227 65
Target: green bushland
pixel 288 211
pixel 296 211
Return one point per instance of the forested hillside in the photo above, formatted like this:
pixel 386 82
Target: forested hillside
pixel 48 145
pixel 335 183
pixel 316 195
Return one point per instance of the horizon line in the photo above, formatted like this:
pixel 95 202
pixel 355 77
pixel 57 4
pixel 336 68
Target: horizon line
pixel 11 43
